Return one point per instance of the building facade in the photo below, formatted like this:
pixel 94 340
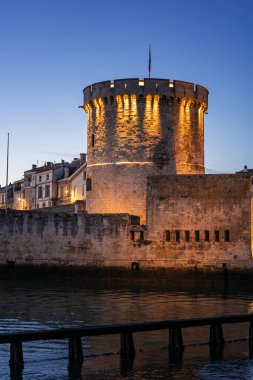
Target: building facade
pixel 72 187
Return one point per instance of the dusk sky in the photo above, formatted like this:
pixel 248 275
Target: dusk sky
pixel 51 49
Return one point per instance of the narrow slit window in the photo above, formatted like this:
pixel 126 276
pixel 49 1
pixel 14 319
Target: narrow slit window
pixel 88 184
pixel 177 236
pixel 92 140
pixel 227 235
pixel 217 235
pixel 197 235
pixel 132 235
pixel 167 235
pixel 141 235
pixel 207 235
pixel 187 235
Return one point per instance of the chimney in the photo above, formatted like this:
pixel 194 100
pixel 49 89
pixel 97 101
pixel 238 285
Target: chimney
pixel 83 158
pixel 66 172
pixel 245 169
pixel 34 166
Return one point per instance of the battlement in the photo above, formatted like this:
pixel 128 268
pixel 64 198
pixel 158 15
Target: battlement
pixel 164 88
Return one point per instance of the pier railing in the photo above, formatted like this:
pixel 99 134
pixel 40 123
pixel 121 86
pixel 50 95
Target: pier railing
pixel 126 331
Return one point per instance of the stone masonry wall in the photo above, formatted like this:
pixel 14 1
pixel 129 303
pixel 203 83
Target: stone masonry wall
pixel 57 239
pixel 199 221
pixel 193 221
pixel 140 128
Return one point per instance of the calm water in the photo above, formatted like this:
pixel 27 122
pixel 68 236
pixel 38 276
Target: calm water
pixel 31 309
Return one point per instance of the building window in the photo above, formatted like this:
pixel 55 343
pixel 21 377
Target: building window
pixel 217 235
pixel 197 236
pixel 227 235
pixel 92 140
pixel 132 235
pixel 40 195
pixel 47 191
pixel 207 235
pixel 47 177
pixel 88 184
pixel 40 178
pixel 84 175
pixel 167 235
pixel 187 235
pixel 177 236
pixel 43 204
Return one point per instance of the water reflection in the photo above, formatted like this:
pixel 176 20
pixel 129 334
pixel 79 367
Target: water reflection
pixel 32 309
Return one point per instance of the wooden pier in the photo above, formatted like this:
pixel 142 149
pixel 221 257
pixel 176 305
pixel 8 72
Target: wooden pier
pixel 126 331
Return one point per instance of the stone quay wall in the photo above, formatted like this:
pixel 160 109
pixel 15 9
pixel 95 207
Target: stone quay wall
pixel 137 128
pixel 201 220
pixel 64 239
pixel 193 221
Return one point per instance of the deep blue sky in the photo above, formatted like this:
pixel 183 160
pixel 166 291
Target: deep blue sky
pixel 51 49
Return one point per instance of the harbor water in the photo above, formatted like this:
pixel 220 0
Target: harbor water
pixel 36 308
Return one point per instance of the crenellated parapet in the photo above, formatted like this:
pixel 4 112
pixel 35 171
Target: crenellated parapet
pixel 163 88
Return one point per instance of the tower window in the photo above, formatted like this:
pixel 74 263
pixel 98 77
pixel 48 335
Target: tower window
pixel 187 235
pixel 177 236
pixel 167 235
pixel 217 235
pixel 197 236
pixel 88 184
pixel 207 235
pixel 92 140
pixel 227 235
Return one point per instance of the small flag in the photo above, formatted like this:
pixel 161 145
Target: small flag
pixel 149 62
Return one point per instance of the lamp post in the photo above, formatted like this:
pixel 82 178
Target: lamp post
pixel 7 173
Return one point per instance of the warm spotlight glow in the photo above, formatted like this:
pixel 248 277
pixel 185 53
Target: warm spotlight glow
pixel 141 82
pixel 126 102
pixel 122 163
pixel 112 85
pixel 152 124
pixel 100 101
pixel 171 84
pixel 73 197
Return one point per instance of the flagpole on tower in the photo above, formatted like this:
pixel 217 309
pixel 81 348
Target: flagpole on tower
pixel 149 61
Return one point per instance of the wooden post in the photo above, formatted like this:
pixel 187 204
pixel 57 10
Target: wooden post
pixel 216 342
pixel 16 355
pixel 176 339
pixel 127 344
pixel 75 349
pixel 251 340
pixel 216 334
pixel 176 346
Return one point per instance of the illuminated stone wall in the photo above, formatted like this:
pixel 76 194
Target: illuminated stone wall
pixel 63 239
pixel 136 129
pixel 202 221
pixel 193 221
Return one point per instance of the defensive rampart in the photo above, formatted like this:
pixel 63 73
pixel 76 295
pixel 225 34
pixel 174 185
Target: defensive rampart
pixel 138 128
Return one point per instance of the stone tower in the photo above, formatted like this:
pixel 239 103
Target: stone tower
pixel 138 128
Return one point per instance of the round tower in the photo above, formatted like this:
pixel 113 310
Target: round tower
pixel 137 128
